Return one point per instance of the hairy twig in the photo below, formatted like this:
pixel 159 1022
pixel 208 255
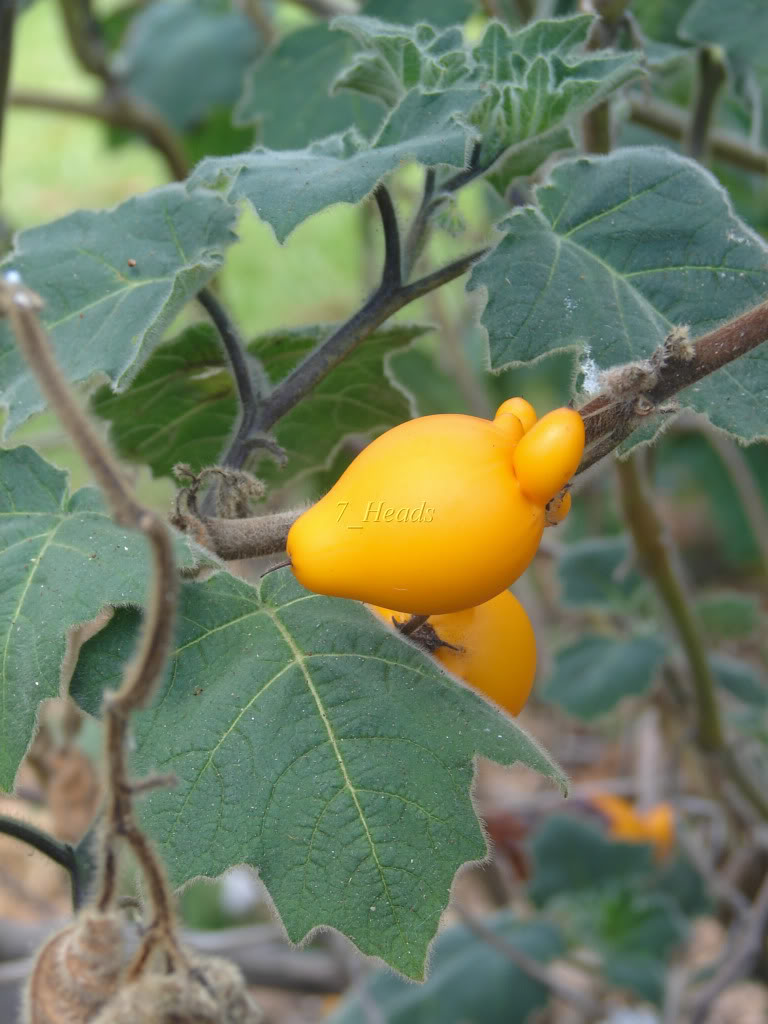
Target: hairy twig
pixel 417 232
pixel 528 965
pixel 239 447
pixel 142 674
pixel 389 297
pixel 711 75
pixel 120 110
pixel 655 555
pixel 672 121
pixel 610 420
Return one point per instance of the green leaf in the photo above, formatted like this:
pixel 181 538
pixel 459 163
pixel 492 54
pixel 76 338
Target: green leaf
pixel 468 979
pixel 288 92
pixel 104 313
pixel 186 57
pixel 728 613
pixel 660 21
pixel 740 28
pixel 62 559
pixel 314 744
pixel 288 186
pixel 539 76
pixel 608 895
pixel 620 249
pixel 401 58
pixel 598 573
pixel 740 679
pixel 182 405
pixel 592 861
pixel 634 933
pixel 591 676
pixel 358 397
pixel 532 82
pixel 440 13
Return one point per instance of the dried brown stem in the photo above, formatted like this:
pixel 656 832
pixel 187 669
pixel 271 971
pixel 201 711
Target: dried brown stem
pixel 141 675
pixel 609 421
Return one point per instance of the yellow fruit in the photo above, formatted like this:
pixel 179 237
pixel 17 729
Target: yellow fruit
pixel 549 454
pixel 520 408
pixel 497 654
pixel 430 517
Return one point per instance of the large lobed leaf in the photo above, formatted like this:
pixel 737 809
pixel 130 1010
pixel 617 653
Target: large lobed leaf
pixel 187 57
pixel 112 281
pixel 182 404
pixel 288 92
pixel 62 559
pixel 532 82
pixel 619 250
pixel 312 743
pixel 286 187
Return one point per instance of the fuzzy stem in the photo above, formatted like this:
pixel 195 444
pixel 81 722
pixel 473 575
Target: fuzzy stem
pixel 239 447
pixel 654 553
pixel 382 304
pixel 143 672
pixel 609 422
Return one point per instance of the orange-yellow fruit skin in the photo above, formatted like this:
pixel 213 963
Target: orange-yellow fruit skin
pixel 549 454
pixel 431 516
pixel 428 518
pixel 521 408
pixel 655 826
pixel 498 656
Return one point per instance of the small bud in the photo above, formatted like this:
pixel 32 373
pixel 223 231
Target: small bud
pixel 627 382
pixel 678 344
